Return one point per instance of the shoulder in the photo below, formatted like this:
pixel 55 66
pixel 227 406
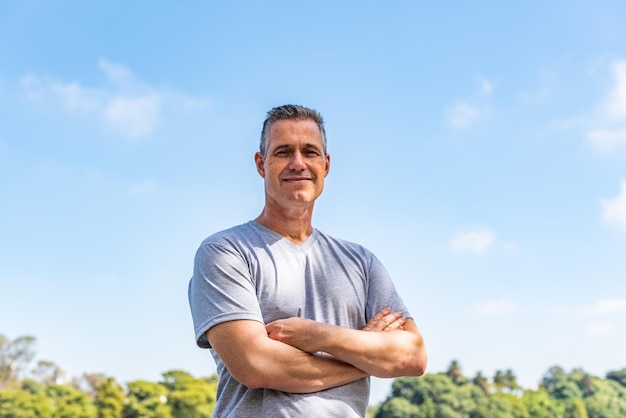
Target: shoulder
pixel 237 241
pixel 231 236
pixel 344 245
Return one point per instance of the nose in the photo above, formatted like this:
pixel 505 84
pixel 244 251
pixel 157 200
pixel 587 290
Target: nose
pixel 297 162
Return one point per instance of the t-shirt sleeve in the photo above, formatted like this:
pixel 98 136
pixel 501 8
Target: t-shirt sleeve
pixel 220 290
pixel 382 292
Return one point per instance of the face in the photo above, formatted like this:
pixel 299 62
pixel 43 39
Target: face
pixel 295 166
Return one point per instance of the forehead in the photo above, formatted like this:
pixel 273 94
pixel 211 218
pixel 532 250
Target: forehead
pixel 293 132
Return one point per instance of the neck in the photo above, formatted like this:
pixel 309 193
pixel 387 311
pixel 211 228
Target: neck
pixel 293 224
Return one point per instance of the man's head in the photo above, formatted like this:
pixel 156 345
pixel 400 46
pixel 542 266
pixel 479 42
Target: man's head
pixel 292 158
pixel 290 112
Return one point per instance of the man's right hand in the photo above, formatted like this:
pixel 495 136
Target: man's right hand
pixel 385 320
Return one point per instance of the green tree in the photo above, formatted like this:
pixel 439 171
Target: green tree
pixel 618 375
pixel 48 372
pixel 510 382
pixel 146 400
pixel 69 402
pixel 436 395
pixel 575 408
pixel 15 355
pixel 455 373
pixel 499 380
pixel 398 408
pixel 566 390
pixel 33 386
pixel 553 376
pixel 539 404
pixel 109 399
pixel 607 401
pixel 90 382
pixel 188 396
pixel 19 403
pixel 482 382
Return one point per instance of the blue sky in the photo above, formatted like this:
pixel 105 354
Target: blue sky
pixel 479 149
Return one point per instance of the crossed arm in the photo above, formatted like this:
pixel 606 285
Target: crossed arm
pixel 289 354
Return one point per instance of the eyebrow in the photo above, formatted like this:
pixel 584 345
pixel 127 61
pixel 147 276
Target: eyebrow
pixel 305 146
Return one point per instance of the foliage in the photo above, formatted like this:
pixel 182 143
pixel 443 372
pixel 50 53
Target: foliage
pixel 24 404
pixel 69 402
pixel 398 408
pixel 561 394
pixel 109 399
pixel 94 395
pixel 190 397
pixel 15 355
pixel 619 376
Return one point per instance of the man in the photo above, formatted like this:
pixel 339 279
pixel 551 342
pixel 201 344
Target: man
pixel 285 307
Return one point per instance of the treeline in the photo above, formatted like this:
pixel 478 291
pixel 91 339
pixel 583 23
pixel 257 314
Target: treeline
pixel 45 391
pixel 561 394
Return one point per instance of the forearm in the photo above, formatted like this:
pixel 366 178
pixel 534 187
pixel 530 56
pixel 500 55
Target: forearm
pixel 257 361
pixel 390 353
pixel 382 354
pixel 282 367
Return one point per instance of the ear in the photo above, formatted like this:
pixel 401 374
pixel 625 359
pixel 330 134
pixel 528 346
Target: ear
pixel 258 161
pixel 327 164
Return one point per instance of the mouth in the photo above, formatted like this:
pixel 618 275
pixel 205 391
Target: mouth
pixel 296 179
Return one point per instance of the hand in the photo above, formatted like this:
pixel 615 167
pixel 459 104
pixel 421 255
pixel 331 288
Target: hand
pixel 298 332
pixel 385 320
pixel 307 335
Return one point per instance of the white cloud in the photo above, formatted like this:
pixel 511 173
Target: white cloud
pixel 615 105
pixel 608 140
pixel 486 87
pixel 116 73
pixel 601 329
pixel 608 306
pixel 463 114
pixel 126 104
pixel 476 241
pixel 609 132
pixel 137 116
pixel 496 307
pixel 614 210
pixel 71 96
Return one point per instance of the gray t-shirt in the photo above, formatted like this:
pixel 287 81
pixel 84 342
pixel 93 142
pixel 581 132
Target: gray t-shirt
pixel 251 272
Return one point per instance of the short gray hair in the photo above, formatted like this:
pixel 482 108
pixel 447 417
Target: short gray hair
pixel 290 112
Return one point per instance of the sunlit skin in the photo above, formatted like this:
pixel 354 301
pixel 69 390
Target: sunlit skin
pixel 294 171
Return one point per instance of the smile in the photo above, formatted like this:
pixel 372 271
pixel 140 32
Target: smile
pixel 295 179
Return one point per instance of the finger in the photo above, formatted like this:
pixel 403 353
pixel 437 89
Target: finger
pixel 395 321
pixel 379 316
pixel 375 324
pixel 392 317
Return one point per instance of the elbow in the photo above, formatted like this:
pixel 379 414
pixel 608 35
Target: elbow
pixel 407 366
pixel 419 364
pixel 256 376
pixel 408 363
pixel 250 379
pixel 419 361
pixel 412 365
